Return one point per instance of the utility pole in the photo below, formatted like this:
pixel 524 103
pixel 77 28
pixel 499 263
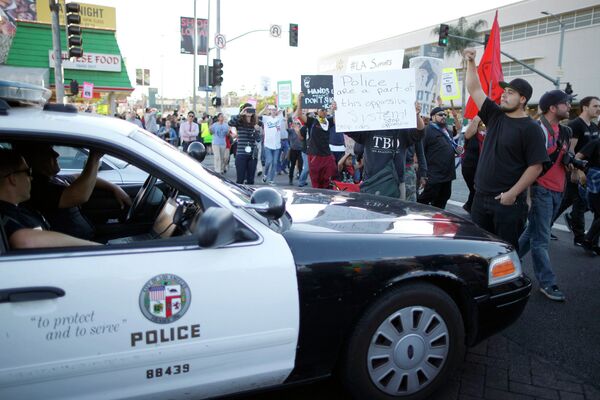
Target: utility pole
pixel 58 70
pixel 207 57
pixel 560 49
pixel 218 92
pixel 195 50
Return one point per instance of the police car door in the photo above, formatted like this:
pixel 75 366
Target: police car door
pixel 168 321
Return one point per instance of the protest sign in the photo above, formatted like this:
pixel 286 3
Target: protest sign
pixel 318 91
pixel 375 100
pixel 384 61
pixel 284 94
pixel 88 90
pixel 428 74
pixel 449 89
pixel 265 86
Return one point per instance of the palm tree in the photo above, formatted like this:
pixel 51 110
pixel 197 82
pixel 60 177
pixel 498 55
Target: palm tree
pixel 456 46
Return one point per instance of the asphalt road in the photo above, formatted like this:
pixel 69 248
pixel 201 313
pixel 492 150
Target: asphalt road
pixel 565 335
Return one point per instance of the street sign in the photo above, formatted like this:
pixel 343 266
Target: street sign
pixel 220 41
pixel 275 31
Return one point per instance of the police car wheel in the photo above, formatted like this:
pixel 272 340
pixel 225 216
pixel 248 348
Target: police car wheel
pixel 405 345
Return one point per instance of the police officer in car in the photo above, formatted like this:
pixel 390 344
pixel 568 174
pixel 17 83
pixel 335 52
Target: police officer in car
pixel 59 198
pixel 25 228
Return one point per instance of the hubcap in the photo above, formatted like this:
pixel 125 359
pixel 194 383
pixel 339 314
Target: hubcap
pixel 408 350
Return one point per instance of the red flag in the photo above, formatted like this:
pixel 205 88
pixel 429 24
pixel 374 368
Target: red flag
pixel 489 71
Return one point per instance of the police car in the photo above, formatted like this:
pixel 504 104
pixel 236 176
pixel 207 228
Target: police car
pixel 206 288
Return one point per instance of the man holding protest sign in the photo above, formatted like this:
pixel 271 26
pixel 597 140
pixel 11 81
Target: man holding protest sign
pixel 321 163
pixel 383 148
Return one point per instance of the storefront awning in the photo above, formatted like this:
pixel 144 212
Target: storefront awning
pixel 102 63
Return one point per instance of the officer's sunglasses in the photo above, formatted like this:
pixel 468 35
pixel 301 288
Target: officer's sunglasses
pixel 28 171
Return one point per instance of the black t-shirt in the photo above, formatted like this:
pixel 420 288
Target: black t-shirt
pixel 591 151
pixel 379 148
pixel 318 139
pixel 511 146
pixel 15 218
pixel 439 154
pixel 45 197
pixel 582 132
pixel 471 157
pixel 304 133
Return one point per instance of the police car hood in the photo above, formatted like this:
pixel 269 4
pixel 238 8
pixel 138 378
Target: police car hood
pixel 357 213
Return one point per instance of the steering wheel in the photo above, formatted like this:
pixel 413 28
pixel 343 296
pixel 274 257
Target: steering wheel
pixel 141 197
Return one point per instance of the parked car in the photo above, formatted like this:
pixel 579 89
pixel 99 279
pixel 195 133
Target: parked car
pixel 206 288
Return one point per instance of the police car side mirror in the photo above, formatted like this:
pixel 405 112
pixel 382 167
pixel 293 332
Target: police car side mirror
pixel 216 228
pixel 268 202
pixel 197 151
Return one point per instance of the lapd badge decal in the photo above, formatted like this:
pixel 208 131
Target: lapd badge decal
pixel 165 298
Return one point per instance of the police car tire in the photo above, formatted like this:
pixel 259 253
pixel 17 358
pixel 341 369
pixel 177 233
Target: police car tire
pixel 355 369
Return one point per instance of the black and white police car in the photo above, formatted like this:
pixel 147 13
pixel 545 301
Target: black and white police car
pixel 206 288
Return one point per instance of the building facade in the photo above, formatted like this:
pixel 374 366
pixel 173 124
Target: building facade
pixel 526 34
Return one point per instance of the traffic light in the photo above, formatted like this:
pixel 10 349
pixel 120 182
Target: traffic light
pixel 74 40
pixel 74 87
pixel 569 89
pixel 294 35
pixel 216 101
pixel 443 40
pixel 217 72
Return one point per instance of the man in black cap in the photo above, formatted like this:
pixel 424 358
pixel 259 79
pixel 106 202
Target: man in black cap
pixel 511 158
pixel 440 150
pixel 547 191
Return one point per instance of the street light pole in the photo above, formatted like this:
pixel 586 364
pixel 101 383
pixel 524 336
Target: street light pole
pixel 195 49
pixel 560 48
pixel 58 69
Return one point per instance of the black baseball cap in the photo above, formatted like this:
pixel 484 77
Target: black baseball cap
pixel 553 98
pixel 436 110
pixel 520 85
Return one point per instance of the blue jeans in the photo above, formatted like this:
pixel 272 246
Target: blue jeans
pixel 544 205
pixel 282 161
pixel 304 173
pixel 271 157
pixel 245 167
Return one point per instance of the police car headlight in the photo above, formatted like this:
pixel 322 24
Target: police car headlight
pixel 504 268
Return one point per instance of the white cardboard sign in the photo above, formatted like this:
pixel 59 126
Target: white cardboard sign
pixel 375 100
pixel 384 61
pixel 88 90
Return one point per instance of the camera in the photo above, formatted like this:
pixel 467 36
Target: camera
pixel 569 159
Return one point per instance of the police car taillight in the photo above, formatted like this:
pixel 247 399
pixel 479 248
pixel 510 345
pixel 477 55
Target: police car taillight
pixel 24 92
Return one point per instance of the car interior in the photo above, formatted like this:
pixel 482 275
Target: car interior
pixel 161 210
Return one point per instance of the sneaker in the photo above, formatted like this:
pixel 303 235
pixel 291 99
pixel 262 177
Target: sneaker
pixel 590 248
pixel 264 179
pixel 578 242
pixel 553 237
pixel 259 173
pixel 290 181
pixel 569 221
pixel 553 293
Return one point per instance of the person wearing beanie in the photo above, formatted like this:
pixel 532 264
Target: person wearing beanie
pixel 511 159
pixel 547 191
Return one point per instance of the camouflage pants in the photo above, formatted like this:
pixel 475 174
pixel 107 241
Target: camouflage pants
pixel 410 180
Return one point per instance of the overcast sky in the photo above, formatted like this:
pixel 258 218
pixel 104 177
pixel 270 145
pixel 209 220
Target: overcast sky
pixel 148 35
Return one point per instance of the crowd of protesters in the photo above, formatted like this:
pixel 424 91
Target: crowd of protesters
pixel 522 172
